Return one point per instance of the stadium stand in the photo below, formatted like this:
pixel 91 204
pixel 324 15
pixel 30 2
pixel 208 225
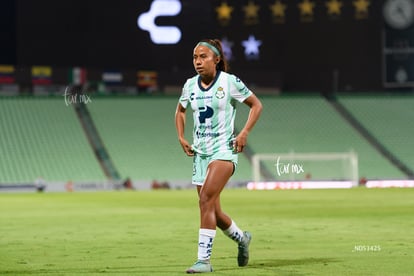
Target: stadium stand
pixel 389 119
pixel 42 137
pixel 310 124
pixel 299 124
pixel 140 136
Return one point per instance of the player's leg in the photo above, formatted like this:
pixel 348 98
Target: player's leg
pixel 218 173
pixel 223 220
pixel 231 230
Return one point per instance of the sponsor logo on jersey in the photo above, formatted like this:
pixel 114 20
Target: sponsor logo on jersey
pixel 203 97
pixel 207 134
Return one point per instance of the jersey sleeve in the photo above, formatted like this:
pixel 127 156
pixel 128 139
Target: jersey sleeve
pixel 185 96
pixel 239 90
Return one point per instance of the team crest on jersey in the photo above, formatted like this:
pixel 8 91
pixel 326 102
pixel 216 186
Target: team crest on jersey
pixel 220 93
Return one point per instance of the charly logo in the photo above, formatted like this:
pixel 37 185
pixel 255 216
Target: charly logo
pixel 161 34
pixel 220 93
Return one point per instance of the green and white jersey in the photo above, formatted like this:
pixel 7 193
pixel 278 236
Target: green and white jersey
pixel 214 110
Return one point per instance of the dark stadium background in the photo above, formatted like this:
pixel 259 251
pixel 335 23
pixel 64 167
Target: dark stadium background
pixel 342 52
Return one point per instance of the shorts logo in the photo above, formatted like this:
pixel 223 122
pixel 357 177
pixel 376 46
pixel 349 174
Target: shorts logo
pixel 220 93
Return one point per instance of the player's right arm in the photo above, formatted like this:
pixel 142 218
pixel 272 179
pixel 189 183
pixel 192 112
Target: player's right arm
pixel 180 126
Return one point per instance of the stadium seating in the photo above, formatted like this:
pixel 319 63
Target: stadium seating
pixel 309 125
pixel 43 138
pixel 140 136
pixel 389 119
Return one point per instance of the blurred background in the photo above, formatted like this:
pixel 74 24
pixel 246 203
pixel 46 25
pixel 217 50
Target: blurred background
pixel 88 89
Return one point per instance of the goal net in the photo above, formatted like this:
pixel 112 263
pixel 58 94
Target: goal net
pixel 304 170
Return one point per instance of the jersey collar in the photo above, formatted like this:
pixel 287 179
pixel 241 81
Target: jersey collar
pixel 212 83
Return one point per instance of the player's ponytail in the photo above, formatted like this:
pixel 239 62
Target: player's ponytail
pixel 223 64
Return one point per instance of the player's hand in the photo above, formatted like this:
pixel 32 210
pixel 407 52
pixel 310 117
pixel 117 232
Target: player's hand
pixel 240 142
pixel 186 147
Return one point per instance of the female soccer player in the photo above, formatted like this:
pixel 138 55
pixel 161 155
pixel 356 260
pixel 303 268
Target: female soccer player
pixel 212 95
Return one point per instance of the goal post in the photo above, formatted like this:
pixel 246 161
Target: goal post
pixel 333 167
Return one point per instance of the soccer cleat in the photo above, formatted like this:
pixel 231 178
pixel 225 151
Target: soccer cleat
pixel 200 267
pixel 243 256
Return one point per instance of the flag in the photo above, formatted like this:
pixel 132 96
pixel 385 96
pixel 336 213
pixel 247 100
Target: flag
pixel 77 76
pixel 112 77
pixel 7 74
pixel 41 75
pixel 147 79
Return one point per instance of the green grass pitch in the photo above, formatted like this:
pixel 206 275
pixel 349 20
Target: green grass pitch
pixel 295 232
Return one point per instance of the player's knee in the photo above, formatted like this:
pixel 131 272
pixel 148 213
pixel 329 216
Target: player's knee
pixel 206 202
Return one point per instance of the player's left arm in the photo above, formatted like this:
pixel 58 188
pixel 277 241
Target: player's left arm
pixel 255 110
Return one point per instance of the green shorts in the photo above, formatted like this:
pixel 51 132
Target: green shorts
pixel 200 164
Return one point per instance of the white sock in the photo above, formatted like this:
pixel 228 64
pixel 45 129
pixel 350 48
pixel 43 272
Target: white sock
pixel 234 232
pixel 205 243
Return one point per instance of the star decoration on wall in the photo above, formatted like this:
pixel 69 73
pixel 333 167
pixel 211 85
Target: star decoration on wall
pixel 361 8
pixel 251 47
pixel 224 12
pixel 306 8
pixel 251 13
pixel 334 7
pixel 251 10
pixel 278 11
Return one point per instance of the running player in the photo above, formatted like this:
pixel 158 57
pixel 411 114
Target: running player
pixel 212 95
